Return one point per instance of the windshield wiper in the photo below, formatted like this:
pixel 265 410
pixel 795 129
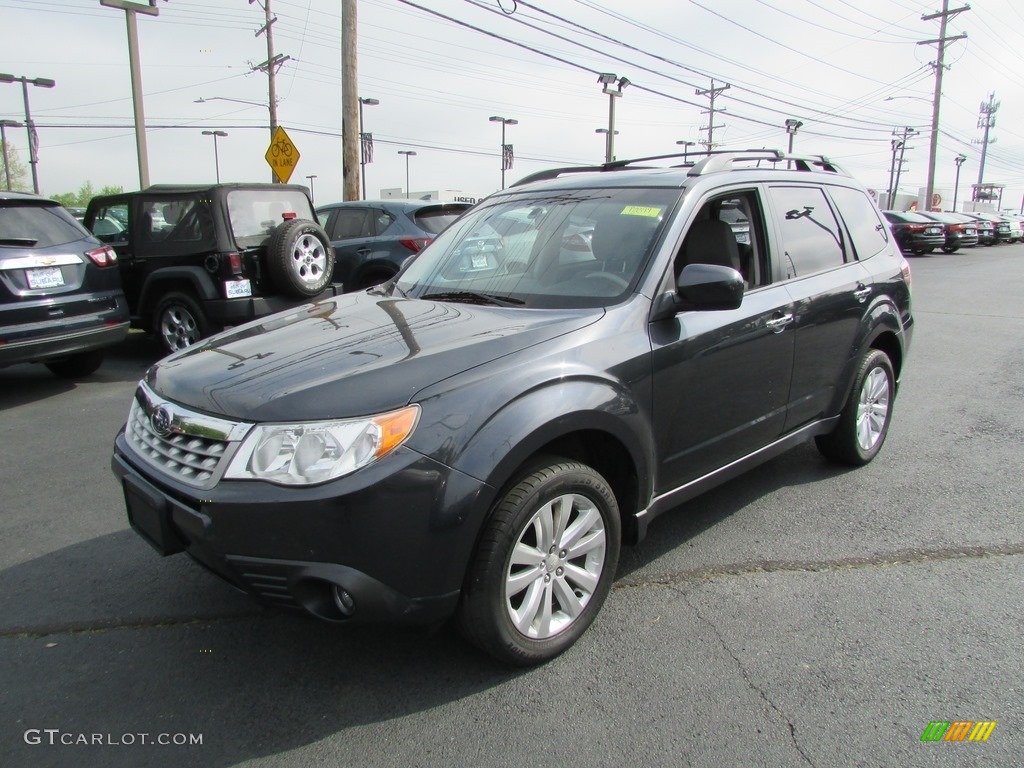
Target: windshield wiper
pixel 470 297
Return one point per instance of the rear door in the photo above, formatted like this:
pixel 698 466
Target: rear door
pixel 830 291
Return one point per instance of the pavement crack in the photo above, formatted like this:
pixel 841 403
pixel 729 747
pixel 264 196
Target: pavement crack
pixel 881 560
pixel 110 625
pixel 746 675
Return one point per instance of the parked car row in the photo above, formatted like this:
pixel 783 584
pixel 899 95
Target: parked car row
pixel 921 232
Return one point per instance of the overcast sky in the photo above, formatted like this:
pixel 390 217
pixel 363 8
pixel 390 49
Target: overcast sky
pixel 441 68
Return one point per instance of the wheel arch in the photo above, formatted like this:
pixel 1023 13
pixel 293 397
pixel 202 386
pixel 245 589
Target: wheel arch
pixel 189 279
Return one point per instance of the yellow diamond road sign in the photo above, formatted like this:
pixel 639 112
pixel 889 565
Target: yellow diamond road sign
pixel 282 155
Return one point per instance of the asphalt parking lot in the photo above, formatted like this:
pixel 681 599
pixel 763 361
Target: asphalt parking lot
pixel 801 615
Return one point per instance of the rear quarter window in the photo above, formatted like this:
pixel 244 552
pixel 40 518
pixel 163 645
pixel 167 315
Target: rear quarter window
pixel 869 234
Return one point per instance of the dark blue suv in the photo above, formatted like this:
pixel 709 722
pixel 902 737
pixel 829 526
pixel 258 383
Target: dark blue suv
pixel 478 436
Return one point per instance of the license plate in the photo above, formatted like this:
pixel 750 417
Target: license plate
pixel 972 231
pixel 479 262
pixel 45 277
pixel 932 231
pixel 743 237
pixel 150 516
pixel 235 289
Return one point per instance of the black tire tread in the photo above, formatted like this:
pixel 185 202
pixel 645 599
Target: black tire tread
pixel 840 445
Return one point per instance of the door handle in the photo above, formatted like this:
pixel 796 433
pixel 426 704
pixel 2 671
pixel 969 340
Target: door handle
pixel 862 292
pixel 778 324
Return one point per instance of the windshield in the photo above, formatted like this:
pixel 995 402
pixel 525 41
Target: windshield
pixel 576 248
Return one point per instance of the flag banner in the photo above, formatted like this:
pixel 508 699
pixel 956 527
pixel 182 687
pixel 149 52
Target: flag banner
pixel 506 157
pixel 366 145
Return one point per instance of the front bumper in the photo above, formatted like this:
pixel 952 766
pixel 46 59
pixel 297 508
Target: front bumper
pixel 389 543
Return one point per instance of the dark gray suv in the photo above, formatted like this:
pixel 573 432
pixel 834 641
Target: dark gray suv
pixel 478 436
pixel 61 301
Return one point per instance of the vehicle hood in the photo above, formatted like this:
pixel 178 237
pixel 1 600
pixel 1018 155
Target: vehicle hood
pixel 349 356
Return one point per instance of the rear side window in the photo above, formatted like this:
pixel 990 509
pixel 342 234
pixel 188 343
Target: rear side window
pixel 862 219
pixel 812 240
pixel 44 225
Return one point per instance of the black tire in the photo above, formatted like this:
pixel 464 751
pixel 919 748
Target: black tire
pixel 864 421
pixel 76 366
pixel 300 258
pixel 179 321
pixel 950 249
pixel 558 596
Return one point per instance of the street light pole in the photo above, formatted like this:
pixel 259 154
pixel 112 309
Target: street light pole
pixel 792 126
pixel 604 131
pixel 686 149
pixel 606 79
pixel 365 142
pixel 311 198
pixel 408 153
pixel 504 121
pixel 39 82
pixel 959 160
pixel 216 155
pixel 4 125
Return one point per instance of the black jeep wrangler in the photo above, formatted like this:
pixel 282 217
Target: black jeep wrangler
pixel 197 258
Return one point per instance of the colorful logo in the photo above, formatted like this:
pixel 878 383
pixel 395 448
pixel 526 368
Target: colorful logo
pixel 959 730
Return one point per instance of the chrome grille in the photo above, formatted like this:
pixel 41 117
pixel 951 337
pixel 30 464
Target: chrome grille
pixel 195 447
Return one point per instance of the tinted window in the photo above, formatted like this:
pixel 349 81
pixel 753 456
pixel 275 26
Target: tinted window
pixel 811 238
pixel 433 220
pixel 352 222
pixel 45 225
pixel 862 220
pixel 175 220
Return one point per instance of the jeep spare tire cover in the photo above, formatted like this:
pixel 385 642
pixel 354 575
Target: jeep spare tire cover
pixel 300 258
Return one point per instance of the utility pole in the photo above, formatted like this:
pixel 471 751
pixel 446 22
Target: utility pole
pixel 899 143
pixel 130 9
pixel 711 93
pixel 986 120
pixel 350 127
pixel 940 41
pixel 270 66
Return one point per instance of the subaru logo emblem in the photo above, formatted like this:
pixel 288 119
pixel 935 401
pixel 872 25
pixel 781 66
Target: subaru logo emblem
pixel 161 420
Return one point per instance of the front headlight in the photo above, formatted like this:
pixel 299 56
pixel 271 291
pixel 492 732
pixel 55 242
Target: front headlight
pixel 305 454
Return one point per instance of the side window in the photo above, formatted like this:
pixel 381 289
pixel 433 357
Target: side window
pixel 111 224
pixel 352 222
pixel 728 231
pixel 866 229
pixel 812 240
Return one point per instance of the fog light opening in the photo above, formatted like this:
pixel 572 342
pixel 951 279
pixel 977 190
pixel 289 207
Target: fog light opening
pixel 344 601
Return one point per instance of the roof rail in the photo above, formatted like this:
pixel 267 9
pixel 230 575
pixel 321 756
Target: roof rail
pixel 710 161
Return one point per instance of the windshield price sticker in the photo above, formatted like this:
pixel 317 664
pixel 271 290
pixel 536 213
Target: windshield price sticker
pixel 641 210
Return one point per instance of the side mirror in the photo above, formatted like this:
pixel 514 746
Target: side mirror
pixel 710 287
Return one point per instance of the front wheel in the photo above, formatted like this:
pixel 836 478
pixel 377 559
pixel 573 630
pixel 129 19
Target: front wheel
pixel 544 564
pixel 864 421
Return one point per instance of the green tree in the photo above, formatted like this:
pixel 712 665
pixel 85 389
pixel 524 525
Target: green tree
pixel 85 193
pixel 19 173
